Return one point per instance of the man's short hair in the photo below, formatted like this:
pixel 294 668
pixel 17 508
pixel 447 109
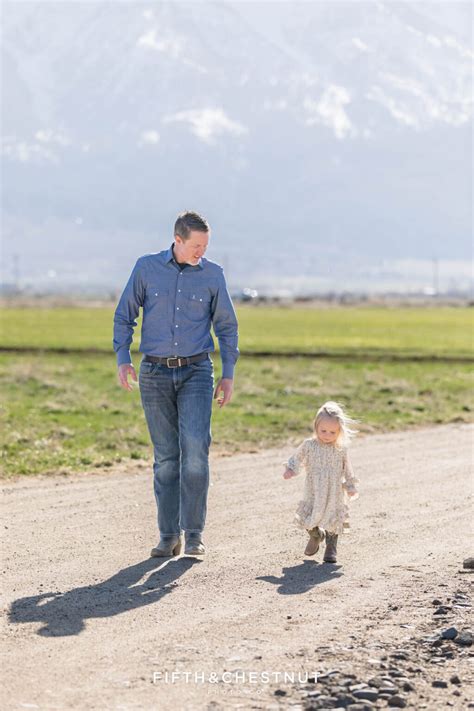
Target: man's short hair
pixel 188 221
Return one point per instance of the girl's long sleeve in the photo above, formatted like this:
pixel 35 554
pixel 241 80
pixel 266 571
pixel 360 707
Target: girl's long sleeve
pixel 351 482
pixel 298 460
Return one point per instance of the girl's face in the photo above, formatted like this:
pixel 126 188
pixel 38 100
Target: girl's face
pixel 328 430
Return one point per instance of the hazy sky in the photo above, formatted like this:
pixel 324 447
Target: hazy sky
pixel 328 143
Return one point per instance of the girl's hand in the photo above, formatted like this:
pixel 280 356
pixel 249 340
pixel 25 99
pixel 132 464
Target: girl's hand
pixel 288 473
pixel 351 493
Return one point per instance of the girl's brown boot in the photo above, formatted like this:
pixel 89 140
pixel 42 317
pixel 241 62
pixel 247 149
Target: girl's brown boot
pixel 316 536
pixel 330 554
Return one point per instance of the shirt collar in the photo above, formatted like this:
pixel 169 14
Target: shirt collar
pixel 169 255
pixel 170 258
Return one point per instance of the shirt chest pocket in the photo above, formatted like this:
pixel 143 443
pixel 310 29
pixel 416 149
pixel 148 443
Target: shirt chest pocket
pixel 198 303
pixel 156 300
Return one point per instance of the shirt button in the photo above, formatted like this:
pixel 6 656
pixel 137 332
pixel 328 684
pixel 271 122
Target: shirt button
pixel 176 326
pixel 175 344
pixel 179 289
pixel 177 308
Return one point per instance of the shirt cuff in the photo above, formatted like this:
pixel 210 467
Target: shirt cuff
pixel 124 356
pixel 228 370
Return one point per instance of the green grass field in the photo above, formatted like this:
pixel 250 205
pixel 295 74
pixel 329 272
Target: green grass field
pixel 409 331
pixel 65 412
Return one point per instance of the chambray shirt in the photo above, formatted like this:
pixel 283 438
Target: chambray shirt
pixel 179 306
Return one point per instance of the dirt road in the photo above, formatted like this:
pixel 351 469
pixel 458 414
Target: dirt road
pixel 90 622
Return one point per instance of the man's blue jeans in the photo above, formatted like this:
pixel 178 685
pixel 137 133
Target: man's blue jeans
pixel 178 407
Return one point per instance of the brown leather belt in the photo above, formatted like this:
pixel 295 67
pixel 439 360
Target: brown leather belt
pixel 176 361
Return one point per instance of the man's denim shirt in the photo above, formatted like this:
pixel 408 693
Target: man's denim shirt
pixel 178 308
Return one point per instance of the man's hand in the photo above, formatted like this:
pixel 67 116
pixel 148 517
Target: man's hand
pixel 288 473
pixel 223 391
pixel 123 373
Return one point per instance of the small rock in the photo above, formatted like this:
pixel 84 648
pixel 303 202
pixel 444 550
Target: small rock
pixel 397 701
pixel 449 633
pixel 337 689
pixel 328 674
pixel 439 684
pixel 468 563
pixel 357 687
pixel 366 694
pixel 456 692
pixel 280 692
pixel 362 706
pixel 437 602
pixel 344 700
pixel 390 690
pixel 376 681
pixel 442 610
pixel 408 686
pixel 324 702
pixel 464 638
pixel 454 679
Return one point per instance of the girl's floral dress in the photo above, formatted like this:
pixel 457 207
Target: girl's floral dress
pixel 329 478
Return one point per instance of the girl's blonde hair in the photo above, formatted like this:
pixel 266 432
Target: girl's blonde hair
pixel 334 411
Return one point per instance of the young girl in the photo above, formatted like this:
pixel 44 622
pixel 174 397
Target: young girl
pixel 330 481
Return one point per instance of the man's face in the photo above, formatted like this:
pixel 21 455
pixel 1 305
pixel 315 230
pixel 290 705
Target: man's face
pixel 191 250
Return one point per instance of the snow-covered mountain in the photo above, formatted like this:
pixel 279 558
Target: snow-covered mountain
pixel 319 138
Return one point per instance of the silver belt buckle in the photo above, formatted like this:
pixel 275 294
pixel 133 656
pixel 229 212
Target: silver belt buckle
pixel 173 358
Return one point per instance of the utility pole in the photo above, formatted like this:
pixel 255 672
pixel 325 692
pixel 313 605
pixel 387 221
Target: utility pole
pixel 16 271
pixel 436 276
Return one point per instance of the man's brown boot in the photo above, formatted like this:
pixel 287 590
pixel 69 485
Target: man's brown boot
pixel 193 544
pixel 330 554
pixel 316 536
pixel 167 547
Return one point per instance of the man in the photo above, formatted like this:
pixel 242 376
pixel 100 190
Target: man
pixel 181 294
